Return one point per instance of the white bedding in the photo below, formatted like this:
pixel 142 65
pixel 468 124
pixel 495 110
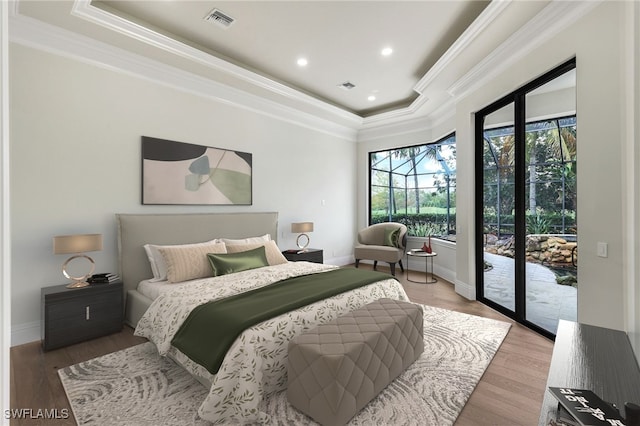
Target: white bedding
pixel 152 289
pixel 255 365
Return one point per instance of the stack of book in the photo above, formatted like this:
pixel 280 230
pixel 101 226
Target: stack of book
pixel 106 278
pixel 581 407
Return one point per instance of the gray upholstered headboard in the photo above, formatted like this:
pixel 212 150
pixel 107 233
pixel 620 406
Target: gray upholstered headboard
pixel 135 230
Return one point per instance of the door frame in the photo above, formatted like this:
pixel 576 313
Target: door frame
pixel 517 97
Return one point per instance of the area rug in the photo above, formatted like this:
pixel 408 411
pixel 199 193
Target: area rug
pixel 135 386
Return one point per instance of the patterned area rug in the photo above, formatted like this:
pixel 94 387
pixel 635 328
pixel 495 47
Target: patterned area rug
pixel 135 386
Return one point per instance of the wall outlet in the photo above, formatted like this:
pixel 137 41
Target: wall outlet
pixel 602 249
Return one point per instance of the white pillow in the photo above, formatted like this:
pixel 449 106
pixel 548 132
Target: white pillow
pixel 157 262
pixel 189 262
pixel 250 240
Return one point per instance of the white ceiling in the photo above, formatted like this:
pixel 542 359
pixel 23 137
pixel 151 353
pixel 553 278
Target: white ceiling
pixel 342 41
pixel 442 50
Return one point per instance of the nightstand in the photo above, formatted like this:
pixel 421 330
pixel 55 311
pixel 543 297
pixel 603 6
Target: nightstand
pixel 311 255
pixel 71 315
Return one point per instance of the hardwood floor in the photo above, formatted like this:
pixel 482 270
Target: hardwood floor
pixel 509 393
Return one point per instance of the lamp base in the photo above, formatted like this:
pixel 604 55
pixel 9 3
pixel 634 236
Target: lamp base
pixel 302 246
pixel 78 284
pixel 81 281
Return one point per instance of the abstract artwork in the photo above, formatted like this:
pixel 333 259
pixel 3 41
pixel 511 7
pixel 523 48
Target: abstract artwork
pixel 184 173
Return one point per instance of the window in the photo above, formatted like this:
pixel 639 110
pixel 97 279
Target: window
pixel 416 186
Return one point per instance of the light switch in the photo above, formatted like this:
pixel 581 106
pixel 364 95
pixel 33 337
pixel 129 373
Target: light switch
pixel 602 249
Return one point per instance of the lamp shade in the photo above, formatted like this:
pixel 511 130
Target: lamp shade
pixel 79 243
pixel 302 227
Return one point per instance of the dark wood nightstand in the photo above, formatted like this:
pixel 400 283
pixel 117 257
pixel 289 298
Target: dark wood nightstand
pixel 311 255
pixel 71 315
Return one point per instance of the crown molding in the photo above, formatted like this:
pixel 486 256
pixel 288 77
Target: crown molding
pixel 36 34
pixel 396 115
pixel 422 123
pixel 554 18
pixel 488 15
pixel 84 10
pixel 404 127
pixel 486 18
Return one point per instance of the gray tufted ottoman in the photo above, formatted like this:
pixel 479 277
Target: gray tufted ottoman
pixel 336 368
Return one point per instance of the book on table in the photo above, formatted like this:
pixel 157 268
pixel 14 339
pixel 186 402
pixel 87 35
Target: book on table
pixel 583 407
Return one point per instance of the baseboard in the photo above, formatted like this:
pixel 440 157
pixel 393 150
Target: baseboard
pixel 444 273
pixel 25 333
pixel 465 290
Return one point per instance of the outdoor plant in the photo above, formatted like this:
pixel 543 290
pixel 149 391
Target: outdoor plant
pixel 537 224
pixel 418 229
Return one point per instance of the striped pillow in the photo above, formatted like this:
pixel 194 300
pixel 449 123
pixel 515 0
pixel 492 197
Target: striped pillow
pixel 189 262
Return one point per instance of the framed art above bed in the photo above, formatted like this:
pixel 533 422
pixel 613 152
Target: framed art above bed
pixel 184 173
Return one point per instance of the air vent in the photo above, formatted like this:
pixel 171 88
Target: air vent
pixel 347 85
pixel 220 18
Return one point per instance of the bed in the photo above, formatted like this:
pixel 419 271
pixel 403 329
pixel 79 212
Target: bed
pixel 255 364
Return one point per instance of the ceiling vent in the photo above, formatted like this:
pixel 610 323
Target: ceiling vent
pixel 220 18
pixel 347 85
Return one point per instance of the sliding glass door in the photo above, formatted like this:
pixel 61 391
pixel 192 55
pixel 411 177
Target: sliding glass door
pixel 526 231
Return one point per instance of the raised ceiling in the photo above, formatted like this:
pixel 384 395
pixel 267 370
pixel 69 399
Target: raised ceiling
pixel 442 50
pixel 341 40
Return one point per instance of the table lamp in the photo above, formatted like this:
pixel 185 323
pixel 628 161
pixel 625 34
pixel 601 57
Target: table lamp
pixel 302 228
pixel 77 244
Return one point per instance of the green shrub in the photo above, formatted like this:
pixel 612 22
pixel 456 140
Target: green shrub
pixel 537 224
pixel 422 224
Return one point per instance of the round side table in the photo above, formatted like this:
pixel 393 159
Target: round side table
pixel 428 258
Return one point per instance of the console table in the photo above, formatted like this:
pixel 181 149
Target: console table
pixel 594 358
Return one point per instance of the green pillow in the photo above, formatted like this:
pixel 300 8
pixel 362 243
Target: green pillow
pixel 228 263
pixel 391 236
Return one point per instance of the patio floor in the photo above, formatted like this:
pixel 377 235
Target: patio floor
pixel 547 301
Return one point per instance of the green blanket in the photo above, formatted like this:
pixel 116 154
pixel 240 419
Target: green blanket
pixel 211 328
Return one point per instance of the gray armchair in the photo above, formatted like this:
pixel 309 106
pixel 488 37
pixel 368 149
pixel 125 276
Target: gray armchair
pixel 382 242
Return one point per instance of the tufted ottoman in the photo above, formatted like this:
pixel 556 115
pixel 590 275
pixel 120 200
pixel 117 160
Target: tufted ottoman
pixel 336 368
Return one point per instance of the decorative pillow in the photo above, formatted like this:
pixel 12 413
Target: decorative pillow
pixel 273 253
pixel 156 260
pixel 250 240
pixel 228 263
pixel 391 236
pixel 152 253
pixel 189 262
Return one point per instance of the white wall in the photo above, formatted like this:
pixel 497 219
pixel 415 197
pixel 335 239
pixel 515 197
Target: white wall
pixel 5 251
pixel 75 162
pixel 607 105
pixel 631 176
pixel 595 41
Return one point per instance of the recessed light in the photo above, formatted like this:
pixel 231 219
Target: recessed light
pixel 302 62
pixel 371 98
pixel 386 51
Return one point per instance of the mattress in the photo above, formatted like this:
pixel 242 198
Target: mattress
pixel 153 289
pixel 255 365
